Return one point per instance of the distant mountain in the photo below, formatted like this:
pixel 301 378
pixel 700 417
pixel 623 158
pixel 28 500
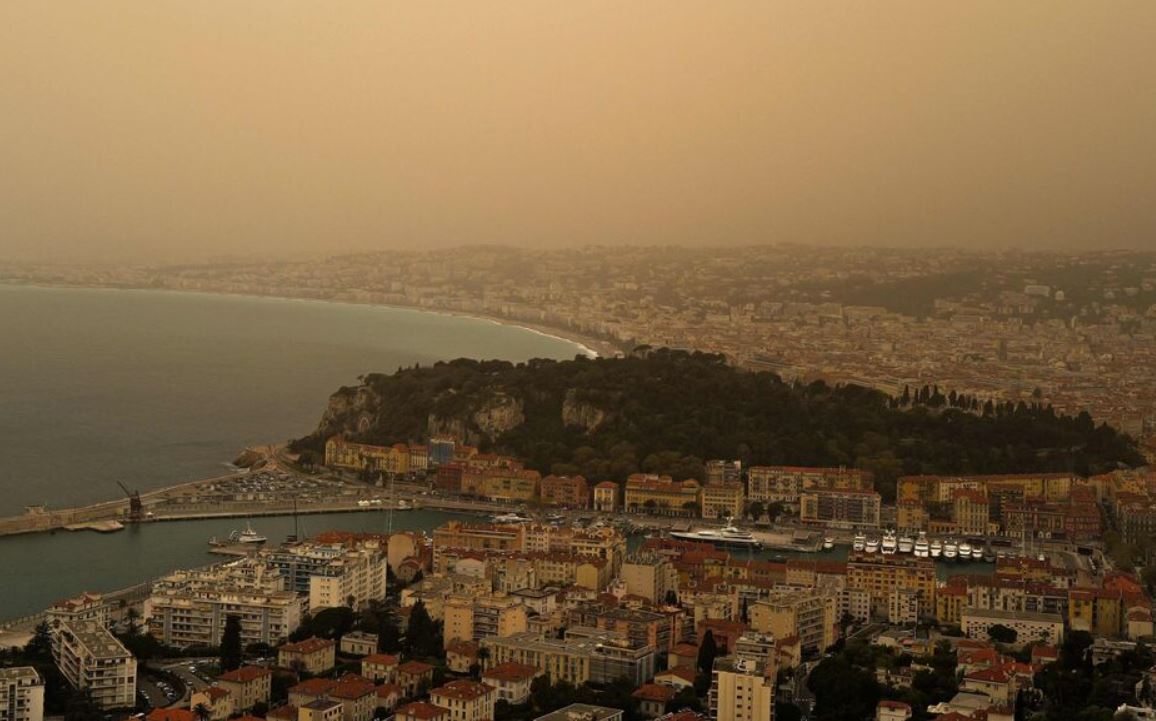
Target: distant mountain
pixel 667 411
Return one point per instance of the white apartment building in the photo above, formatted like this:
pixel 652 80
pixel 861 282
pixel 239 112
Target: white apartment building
pixel 21 694
pixel 191 607
pixel 89 657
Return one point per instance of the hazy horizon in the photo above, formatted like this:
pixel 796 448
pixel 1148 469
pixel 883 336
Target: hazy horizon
pixel 170 131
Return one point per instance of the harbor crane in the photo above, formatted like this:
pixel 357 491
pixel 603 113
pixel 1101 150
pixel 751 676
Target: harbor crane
pixel 135 507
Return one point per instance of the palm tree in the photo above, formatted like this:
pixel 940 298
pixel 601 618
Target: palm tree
pixel 202 712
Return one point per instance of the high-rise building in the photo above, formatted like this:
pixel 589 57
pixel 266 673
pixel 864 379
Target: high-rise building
pixel 90 658
pixel 21 694
pixel 742 689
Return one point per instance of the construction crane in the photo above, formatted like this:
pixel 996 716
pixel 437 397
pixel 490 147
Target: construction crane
pixel 135 507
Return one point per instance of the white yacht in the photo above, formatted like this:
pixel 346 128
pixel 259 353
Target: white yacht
pixel 828 543
pixel 906 544
pixel 728 535
pixel 922 547
pixel 872 545
pixel 247 536
pixel 510 518
pixel 859 542
pixel 936 548
pixel 889 544
pixel 977 552
pixel 950 550
pixel 965 551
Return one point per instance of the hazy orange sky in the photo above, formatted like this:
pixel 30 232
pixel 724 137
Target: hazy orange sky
pixel 165 130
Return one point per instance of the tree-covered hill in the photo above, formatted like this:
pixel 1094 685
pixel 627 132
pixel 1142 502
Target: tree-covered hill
pixel 668 411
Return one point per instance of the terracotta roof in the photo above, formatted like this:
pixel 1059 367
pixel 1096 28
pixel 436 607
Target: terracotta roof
pixel 461 690
pixel 313 687
pixel 654 692
pixel 894 705
pixel 389 689
pixel 171 714
pixel 288 712
pixel 511 671
pixel 463 648
pixel 414 668
pixel 351 689
pixel 686 673
pixel 309 645
pixel 421 710
pixel 215 692
pixel 380 659
pixel 245 674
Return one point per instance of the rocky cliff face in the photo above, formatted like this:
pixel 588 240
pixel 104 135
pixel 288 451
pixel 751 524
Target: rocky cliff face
pixel 350 410
pixel 497 415
pixel 581 414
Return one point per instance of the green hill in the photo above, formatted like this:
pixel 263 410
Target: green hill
pixel 670 410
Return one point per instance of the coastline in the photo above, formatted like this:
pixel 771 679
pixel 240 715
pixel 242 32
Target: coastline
pixel 591 346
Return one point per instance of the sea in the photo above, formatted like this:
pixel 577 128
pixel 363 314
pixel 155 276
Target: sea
pixel 151 388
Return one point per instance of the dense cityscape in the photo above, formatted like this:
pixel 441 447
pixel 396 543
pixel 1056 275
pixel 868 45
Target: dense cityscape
pixel 1072 330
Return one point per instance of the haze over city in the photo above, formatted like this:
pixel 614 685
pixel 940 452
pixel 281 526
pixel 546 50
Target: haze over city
pixel 167 131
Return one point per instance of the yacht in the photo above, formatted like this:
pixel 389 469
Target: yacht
pixel 936 548
pixel 859 542
pixel 828 543
pixel 988 554
pixel 872 545
pixel 510 518
pixel 922 547
pixel 965 551
pixel 889 543
pixel 977 552
pixel 906 544
pixel 950 550
pixel 728 535
pixel 247 536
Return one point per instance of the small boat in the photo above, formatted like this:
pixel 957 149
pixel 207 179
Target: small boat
pixel 977 552
pixel 404 505
pixel 965 551
pixel 859 542
pixel 988 554
pixel 922 547
pixel 906 544
pixel 247 536
pixel 950 550
pixel 828 543
pixel 509 518
pixel 936 548
pixel 872 545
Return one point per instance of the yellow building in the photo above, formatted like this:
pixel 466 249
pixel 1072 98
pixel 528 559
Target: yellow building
pixel 340 453
pixel 722 500
pixel 466 700
pixel 662 495
pixel 743 689
pixel 811 614
pixel 949 604
pixel 472 618
pixel 506 485
pixel 478 537
pixel 911 516
pixel 879 575
pixel 313 655
pixel 971 512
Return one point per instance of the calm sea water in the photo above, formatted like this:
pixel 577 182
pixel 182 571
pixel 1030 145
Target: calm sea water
pixel 154 388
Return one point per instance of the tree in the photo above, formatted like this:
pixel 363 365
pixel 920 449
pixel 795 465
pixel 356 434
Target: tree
pixel 39 647
pixel 81 707
pixel 843 692
pixel 423 637
pixel 1001 633
pixel 756 509
pixel 202 712
pixel 707 651
pixel 671 598
pixel 231 654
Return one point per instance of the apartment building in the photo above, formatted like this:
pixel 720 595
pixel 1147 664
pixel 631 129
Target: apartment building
pixel 565 491
pixel 380 667
pixel 340 453
pixel 331 571
pixel 606 497
pixel 190 607
pixel 90 658
pixel 971 512
pixel 247 686
pixel 722 471
pixel 650 575
pixel 640 626
pixel 473 618
pixel 21 694
pixel 583 655
pixel 511 681
pixel 499 484
pixel 647 493
pixel 848 509
pixel 478 537
pixel 879 575
pixel 313 655
pixel 466 700
pixel 724 499
pixel 1029 626
pixel 742 689
pixel 811 614
pixel 784 484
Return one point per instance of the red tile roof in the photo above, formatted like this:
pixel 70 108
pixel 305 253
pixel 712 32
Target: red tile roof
pixel 654 692
pixel 461 690
pixel 511 671
pixel 380 659
pixel 421 710
pixel 309 645
pixel 245 674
